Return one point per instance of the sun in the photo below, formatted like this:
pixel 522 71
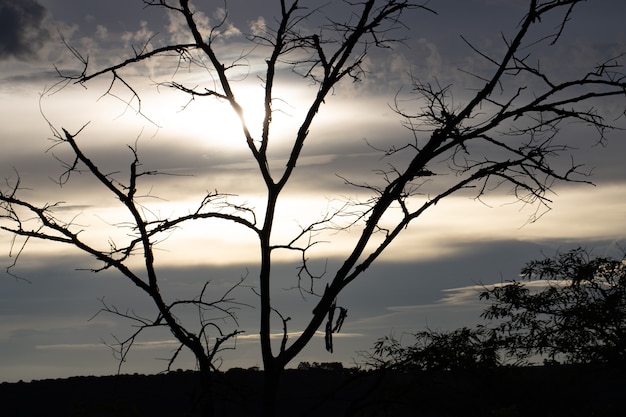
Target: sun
pixel 212 120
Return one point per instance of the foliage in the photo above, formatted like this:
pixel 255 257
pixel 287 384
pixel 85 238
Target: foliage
pixel 460 349
pixel 570 307
pixel 324 366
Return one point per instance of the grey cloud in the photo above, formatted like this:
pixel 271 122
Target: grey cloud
pixel 399 295
pixel 21 30
pixel 49 319
pixel 39 77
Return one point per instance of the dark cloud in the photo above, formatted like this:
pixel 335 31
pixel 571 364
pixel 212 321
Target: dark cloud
pixel 21 30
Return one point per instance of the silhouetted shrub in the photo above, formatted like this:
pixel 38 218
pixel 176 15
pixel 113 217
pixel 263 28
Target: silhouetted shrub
pixel 459 349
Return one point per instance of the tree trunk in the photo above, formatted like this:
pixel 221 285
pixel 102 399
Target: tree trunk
pixel 271 379
pixel 205 403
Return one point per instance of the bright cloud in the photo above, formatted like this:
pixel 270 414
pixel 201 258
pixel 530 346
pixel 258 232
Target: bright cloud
pixel 427 278
pixel 258 26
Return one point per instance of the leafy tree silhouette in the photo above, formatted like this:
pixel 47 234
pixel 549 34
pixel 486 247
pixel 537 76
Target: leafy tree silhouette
pixel 455 350
pixel 571 308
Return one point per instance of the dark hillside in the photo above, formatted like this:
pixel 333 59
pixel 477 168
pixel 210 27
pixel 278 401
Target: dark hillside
pixel 550 391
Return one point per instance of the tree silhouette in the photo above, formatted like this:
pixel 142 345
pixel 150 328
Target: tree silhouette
pixel 455 350
pixel 568 308
pixel 577 315
pixel 504 134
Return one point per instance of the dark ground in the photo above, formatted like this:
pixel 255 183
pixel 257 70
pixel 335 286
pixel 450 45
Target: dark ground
pixel 547 391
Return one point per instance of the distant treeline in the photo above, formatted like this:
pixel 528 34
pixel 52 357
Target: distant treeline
pixel 555 391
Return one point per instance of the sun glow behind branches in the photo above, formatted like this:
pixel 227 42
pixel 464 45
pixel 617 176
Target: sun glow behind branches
pixel 200 145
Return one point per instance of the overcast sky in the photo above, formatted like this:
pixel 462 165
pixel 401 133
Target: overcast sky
pixel 428 278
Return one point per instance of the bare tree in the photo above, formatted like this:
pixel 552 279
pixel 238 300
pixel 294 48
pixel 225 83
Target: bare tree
pixel 503 135
pixel 208 340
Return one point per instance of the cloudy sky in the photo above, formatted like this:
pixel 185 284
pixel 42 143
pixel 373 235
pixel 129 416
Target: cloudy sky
pixel 428 278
